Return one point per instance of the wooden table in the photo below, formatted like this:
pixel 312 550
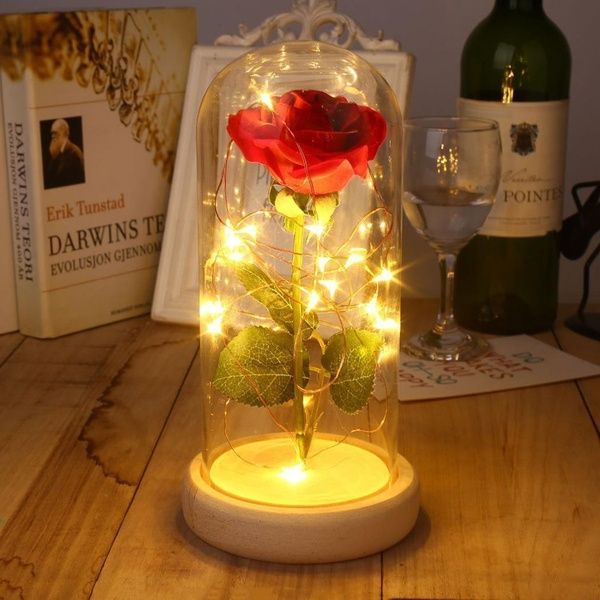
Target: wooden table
pixel 97 428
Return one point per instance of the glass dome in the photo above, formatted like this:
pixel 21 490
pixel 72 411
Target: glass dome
pixel 299 166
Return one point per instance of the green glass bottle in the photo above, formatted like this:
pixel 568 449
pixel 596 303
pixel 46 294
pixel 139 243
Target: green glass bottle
pixel 515 69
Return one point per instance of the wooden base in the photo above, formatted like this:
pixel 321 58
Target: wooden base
pixel 301 535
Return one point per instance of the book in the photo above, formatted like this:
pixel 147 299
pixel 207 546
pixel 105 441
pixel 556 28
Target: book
pixel 92 103
pixel 8 293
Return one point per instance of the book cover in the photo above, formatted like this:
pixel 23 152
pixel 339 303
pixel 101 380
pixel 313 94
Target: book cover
pixel 8 294
pixel 92 105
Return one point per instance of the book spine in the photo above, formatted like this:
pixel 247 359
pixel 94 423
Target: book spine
pixel 8 297
pixel 24 206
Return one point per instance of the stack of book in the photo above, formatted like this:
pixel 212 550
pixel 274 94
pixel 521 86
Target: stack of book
pixel 92 104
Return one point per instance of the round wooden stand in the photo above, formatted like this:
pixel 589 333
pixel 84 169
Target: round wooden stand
pixel 301 535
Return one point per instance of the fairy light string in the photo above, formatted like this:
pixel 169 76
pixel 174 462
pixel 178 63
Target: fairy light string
pixel 322 277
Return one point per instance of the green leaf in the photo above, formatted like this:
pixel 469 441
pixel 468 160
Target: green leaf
pixel 262 288
pixel 277 299
pixel 256 367
pixel 359 350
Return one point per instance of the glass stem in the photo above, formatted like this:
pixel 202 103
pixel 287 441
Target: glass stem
pixel 299 415
pixel 444 321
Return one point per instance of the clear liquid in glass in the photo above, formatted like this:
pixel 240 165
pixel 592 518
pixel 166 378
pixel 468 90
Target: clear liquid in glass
pixel 446 217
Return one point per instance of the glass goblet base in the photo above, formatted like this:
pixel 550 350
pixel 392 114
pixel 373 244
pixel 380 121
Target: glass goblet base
pixel 451 345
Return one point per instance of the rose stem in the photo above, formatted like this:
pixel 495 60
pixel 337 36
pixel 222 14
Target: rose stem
pixel 299 416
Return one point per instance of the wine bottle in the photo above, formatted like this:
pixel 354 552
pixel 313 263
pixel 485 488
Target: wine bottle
pixel 515 68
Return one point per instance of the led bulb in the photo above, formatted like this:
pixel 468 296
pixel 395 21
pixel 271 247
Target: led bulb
pixel 235 246
pixel 316 229
pixel 313 301
pixel 383 276
pixel 357 255
pixel 209 308
pixel 294 474
pixel 386 324
pixel 330 285
pixel 265 99
pixel 215 327
pixel 322 263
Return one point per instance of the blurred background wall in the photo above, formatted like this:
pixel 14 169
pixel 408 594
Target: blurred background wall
pixel 434 31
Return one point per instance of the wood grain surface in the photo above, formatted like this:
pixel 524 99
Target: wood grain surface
pixel 9 342
pixel 585 348
pixel 97 428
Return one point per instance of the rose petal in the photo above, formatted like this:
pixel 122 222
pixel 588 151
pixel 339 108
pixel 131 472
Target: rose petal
pixel 326 177
pixel 310 137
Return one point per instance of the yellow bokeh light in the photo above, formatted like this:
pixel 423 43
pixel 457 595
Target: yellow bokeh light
pixel 316 229
pixel 386 324
pixel 322 262
pixel 330 285
pixel 211 313
pixel 507 85
pixel 371 308
pixel 447 160
pixel 357 255
pixel 383 276
pixel 266 100
pixel 235 241
pixel 387 274
pixel 376 312
pixel 215 327
pixel 210 308
pixel 313 301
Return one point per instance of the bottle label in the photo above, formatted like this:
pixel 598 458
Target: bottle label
pixel 530 196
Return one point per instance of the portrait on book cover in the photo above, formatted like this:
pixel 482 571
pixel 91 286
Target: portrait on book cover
pixel 62 152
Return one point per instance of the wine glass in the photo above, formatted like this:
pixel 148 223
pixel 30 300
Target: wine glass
pixel 451 175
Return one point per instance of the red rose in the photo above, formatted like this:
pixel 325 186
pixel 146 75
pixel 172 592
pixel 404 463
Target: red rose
pixel 311 142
